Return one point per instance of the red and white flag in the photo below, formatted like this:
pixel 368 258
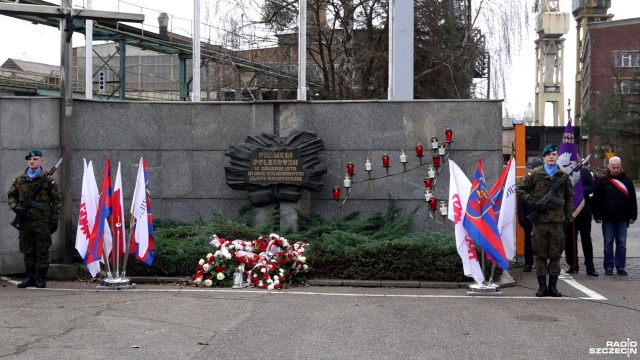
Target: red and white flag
pixel 117 218
pixel 87 214
pixel 506 220
pixel 142 243
pixel 459 190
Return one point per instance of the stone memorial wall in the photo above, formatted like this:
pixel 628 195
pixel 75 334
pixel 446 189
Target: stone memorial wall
pixel 186 144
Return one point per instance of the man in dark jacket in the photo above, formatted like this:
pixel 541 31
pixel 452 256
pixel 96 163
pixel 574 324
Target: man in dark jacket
pixel 615 206
pixel 524 210
pixel 550 218
pixel 581 224
pixel 37 221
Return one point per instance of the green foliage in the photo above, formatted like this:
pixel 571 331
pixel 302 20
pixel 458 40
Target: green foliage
pixel 178 250
pixel 342 255
pixel 381 246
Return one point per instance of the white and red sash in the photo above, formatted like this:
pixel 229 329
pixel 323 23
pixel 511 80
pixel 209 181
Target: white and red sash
pixel 617 183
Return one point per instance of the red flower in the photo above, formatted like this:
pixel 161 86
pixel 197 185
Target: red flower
pixel 198 274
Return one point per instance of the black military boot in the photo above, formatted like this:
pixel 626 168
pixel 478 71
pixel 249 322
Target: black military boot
pixel 542 290
pixel 42 278
pixel 553 281
pixel 30 281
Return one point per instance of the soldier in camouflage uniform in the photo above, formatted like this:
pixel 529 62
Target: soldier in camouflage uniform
pixel 38 220
pixel 548 237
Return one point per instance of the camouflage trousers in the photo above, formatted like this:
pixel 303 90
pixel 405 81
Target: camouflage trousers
pixel 35 242
pixel 548 241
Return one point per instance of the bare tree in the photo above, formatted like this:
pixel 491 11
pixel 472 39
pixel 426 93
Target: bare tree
pixel 348 42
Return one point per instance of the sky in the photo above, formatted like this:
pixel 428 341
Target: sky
pixel 22 40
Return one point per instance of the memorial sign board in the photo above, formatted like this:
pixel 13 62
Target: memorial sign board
pixel 272 168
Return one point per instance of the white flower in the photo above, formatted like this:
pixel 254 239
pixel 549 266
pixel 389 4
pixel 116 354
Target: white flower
pixel 227 256
pixel 206 267
pixel 217 253
pixel 198 281
pixel 276 282
pixel 281 271
pixel 260 283
pixel 269 281
pixel 201 262
pixel 263 270
pixel 302 258
pixel 305 267
pixel 209 255
pixel 220 276
pixel 271 287
pixel 208 283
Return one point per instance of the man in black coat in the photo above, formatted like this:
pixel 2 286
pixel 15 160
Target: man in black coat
pixel 524 210
pixel 615 206
pixel 581 224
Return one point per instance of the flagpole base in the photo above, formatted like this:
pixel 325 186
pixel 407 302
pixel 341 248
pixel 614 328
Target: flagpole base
pixel 484 290
pixel 116 284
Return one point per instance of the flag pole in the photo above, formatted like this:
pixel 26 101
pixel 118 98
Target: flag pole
pixel 128 247
pixel 116 231
pixel 484 267
pixel 105 258
pixel 121 282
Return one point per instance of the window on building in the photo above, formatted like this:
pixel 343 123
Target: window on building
pixel 626 59
pixel 627 86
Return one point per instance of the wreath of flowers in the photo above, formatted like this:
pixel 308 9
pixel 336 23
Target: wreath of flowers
pixel 265 263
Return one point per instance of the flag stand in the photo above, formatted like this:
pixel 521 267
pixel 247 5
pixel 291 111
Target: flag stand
pixel 119 282
pixel 487 288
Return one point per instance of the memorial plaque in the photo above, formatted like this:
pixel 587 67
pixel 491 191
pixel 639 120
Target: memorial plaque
pixel 275 169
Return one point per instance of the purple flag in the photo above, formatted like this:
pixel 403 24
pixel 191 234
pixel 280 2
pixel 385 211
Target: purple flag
pixel 568 159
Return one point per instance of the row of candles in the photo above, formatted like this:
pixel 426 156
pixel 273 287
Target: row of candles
pixel 439 151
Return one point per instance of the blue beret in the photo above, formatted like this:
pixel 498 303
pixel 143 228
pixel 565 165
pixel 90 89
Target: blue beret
pixel 32 153
pixel 549 148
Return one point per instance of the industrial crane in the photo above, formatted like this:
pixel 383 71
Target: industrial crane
pixel 551 25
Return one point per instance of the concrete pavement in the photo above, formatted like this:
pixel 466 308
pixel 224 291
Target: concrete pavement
pixel 71 320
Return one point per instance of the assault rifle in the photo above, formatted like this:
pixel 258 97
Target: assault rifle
pixel 550 195
pixel 28 202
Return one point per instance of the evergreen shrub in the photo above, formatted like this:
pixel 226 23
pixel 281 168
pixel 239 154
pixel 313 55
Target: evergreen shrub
pixel 381 246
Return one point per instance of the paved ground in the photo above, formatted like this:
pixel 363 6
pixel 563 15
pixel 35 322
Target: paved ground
pixel 71 320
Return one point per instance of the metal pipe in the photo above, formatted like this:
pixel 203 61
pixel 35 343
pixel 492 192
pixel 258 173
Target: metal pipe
pixel 88 56
pixel 302 51
pixel 195 62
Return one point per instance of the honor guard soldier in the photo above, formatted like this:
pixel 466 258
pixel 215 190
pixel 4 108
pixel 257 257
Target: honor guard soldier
pixel 549 218
pixel 36 199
